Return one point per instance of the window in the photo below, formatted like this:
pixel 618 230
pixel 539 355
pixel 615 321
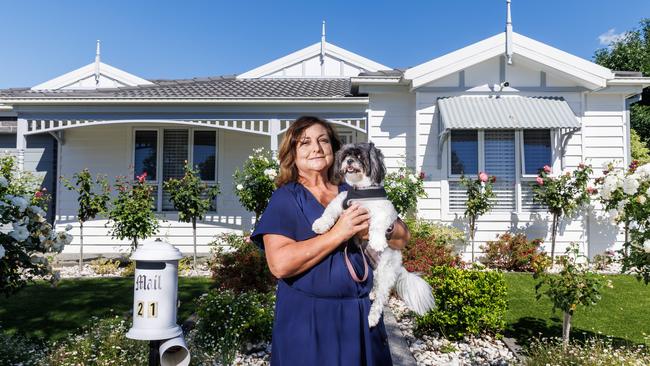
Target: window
pixel 146 154
pixel 464 152
pixel 169 149
pixel 513 156
pixel 537 150
pixel 205 154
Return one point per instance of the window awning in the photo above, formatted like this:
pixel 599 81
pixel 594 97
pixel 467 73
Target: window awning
pixel 505 112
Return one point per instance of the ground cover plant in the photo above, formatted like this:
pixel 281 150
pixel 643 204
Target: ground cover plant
pixel 592 352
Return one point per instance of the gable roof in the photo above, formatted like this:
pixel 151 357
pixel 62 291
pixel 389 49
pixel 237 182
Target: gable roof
pixel 109 75
pixel 310 52
pixel 588 73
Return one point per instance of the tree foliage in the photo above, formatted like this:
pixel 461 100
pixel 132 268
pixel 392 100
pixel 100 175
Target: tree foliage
pixel 132 213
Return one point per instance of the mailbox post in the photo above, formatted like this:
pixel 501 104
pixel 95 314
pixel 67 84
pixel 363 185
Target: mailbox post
pixel 155 301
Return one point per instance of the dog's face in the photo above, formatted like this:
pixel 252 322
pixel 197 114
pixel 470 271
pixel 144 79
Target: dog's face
pixel 361 165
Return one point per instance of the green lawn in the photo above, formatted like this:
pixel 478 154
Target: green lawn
pixel 53 312
pixel 623 312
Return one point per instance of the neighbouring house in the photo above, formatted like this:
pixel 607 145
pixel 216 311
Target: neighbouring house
pixel 506 105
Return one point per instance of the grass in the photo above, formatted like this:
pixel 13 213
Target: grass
pixel 623 313
pixel 52 313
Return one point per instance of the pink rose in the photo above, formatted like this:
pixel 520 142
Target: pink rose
pixel 483 177
pixel 592 190
pixel 547 169
pixel 540 181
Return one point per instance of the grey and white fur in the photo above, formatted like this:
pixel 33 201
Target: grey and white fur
pixel 362 167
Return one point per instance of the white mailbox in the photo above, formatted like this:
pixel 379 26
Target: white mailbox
pixel 155 291
pixel 155 299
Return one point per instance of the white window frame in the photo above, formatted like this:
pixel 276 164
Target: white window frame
pixel 190 156
pixel 520 168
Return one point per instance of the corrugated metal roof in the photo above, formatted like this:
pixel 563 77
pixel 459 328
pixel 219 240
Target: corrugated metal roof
pixel 489 112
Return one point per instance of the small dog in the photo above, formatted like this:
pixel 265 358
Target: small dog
pixel 362 167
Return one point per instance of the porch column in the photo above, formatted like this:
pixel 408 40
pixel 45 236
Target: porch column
pixel 274 130
pixel 21 142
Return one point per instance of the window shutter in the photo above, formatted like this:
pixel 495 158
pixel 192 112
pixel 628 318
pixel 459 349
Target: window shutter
pixel 175 146
pixel 500 162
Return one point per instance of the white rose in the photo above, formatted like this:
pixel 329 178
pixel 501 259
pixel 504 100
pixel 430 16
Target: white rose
pixel 412 178
pixel 37 210
pixel 68 227
pixel 641 199
pixel 2 252
pixel 3 181
pixel 621 205
pixel 647 192
pixel 646 246
pixel 630 184
pixel 20 202
pixel 643 170
pixel 613 215
pixel 240 187
pixel 20 233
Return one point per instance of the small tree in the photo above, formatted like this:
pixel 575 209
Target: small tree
pixel 479 200
pixel 91 201
pixel 132 213
pixel 255 182
pixel 562 195
pixel 25 234
pixel 191 197
pixel 403 189
pixel 574 285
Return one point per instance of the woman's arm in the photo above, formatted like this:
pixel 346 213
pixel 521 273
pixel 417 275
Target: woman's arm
pixel 287 257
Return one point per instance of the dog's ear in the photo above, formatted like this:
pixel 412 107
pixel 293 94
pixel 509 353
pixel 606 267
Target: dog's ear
pixel 338 161
pixel 377 170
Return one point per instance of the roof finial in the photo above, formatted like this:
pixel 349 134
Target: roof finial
pixel 97 62
pixel 322 45
pixel 508 34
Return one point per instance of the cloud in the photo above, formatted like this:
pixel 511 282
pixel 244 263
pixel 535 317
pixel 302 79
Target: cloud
pixel 610 37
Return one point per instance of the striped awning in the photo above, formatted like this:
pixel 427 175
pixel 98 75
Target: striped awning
pixel 490 112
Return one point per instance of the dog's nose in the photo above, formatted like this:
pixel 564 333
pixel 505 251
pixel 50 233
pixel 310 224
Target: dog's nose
pixel 350 161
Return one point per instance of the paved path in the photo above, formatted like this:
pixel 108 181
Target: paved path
pixel 399 350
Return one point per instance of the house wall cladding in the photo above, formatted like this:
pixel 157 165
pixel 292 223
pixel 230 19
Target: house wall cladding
pixel 602 138
pixel 108 150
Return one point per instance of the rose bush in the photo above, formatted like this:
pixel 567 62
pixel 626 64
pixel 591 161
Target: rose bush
pixel 403 189
pixel 562 195
pixel 25 235
pixel 255 182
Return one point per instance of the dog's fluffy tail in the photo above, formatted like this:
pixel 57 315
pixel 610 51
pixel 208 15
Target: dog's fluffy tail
pixel 415 292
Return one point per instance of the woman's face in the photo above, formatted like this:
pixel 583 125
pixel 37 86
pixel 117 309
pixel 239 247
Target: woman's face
pixel 314 150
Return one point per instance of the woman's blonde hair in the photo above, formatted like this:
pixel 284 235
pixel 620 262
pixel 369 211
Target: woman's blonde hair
pixel 287 155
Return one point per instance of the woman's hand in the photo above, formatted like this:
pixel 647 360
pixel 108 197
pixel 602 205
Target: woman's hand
pixel 352 221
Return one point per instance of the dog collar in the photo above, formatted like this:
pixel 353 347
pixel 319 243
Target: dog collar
pixel 360 194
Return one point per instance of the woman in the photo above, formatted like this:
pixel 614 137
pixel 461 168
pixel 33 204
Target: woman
pixel 321 310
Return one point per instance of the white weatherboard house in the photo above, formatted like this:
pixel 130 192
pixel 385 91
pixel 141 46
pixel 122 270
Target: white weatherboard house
pixel 506 105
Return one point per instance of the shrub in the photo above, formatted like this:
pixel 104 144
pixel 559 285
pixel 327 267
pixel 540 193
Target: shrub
pixel 241 269
pixel 132 215
pixel 228 320
pixel 20 350
pixel 603 261
pixel 513 252
pixel 431 245
pixel 403 189
pixel 101 343
pixel 468 302
pixel 255 182
pixel 104 266
pixel 594 351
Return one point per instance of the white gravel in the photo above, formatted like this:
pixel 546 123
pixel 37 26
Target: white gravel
pixel 437 350
pixel 73 271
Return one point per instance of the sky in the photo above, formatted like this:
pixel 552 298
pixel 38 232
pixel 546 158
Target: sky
pixel 40 40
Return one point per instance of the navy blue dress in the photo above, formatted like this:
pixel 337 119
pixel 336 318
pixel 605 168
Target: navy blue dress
pixel 321 315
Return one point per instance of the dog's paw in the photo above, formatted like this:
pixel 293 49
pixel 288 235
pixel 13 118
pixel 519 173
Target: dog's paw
pixel 377 245
pixel 371 295
pixel 373 318
pixel 321 226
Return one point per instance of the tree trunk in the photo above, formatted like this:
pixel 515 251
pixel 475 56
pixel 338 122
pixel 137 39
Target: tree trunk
pixel 566 329
pixel 81 245
pixel 627 237
pixel 553 235
pixel 134 243
pixel 194 236
pixel 472 229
